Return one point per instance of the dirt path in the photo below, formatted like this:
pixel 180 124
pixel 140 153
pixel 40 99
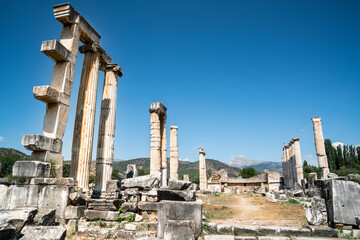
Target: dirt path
pixel 252 210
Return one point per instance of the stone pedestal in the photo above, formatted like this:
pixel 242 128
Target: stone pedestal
pixel 202 169
pixel 158 144
pixel 174 153
pixel 105 147
pixel 320 147
pixel 85 116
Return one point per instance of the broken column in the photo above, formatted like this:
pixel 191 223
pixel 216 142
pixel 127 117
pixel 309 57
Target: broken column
pixel 48 147
pixel 202 169
pixel 158 143
pixel 105 147
pixel 174 153
pixel 320 147
pixel 298 160
pixel 85 116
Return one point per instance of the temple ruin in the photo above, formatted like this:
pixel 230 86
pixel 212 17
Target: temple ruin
pixel 320 147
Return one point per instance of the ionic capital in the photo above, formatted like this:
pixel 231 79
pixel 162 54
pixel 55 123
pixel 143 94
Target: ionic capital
pixel 94 47
pixel 158 107
pixel 112 67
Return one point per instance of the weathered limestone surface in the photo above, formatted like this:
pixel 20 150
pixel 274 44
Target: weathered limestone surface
pixel 12 221
pixel 316 215
pixel 320 147
pixel 343 201
pixel 31 169
pixel 174 153
pixel 131 171
pixel 298 160
pixel 45 217
pixel 147 181
pixel 85 117
pixel 179 185
pixel 105 147
pixel 43 233
pixel 104 215
pixel 74 212
pixel 179 230
pixel 174 210
pixel 176 195
pixel 158 157
pixel 202 169
pixel 186 177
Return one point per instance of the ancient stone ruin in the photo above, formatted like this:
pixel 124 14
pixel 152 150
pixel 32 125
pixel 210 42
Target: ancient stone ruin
pixel 292 164
pixel 320 147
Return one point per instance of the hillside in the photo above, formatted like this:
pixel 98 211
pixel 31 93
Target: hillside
pixel 191 168
pixel 12 152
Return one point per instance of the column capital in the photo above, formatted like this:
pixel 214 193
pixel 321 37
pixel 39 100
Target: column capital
pixel 112 67
pixel 158 107
pixel 295 139
pixel 201 151
pixel 316 119
pixel 173 127
pixel 94 47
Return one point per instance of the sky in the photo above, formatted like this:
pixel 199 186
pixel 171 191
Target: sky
pixel 238 78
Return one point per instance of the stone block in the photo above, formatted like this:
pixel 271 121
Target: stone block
pixel 74 212
pixel 104 215
pixel 54 181
pixel 176 195
pixel 77 198
pixel 55 197
pixel 245 238
pixel 17 196
pixel 148 206
pixel 131 191
pixel 104 204
pixel 113 186
pixel 31 169
pixel 131 171
pixel 322 231
pixel 223 228
pixel 342 201
pixel 186 178
pixel 130 206
pixel 43 233
pixel 57 52
pixel 41 143
pixel 179 230
pixel 12 221
pixel 178 184
pixel 147 181
pixel 173 210
pixel 130 227
pixel 45 217
pixel 316 215
pixel 220 237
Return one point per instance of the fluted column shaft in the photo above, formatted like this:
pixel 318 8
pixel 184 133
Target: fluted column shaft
pixel 174 153
pixel 84 120
pixel 284 167
pixel 320 147
pixel 290 166
pixel 155 144
pixel 163 152
pixel 105 146
pixel 202 170
pixel 298 160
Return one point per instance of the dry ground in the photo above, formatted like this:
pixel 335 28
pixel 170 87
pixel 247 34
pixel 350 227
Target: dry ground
pixel 252 210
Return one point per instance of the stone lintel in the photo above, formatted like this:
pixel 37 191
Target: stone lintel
pixel 66 14
pixel 157 107
pixel 57 52
pixel 104 57
pixel 174 127
pixel 37 142
pixel 48 94
pixel 295 139
pixel 112 67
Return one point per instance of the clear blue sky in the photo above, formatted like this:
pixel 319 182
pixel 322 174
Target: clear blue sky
pixel 238 77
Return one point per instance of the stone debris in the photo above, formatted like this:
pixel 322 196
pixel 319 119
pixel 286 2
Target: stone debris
pixel 270 197
pixel 316 215
pixel 43 233
pixel 176 195
pixel 131 171
pixel 12 221
pixel 178 184
pixel 130 227
pixel 142 182
pixel 45 217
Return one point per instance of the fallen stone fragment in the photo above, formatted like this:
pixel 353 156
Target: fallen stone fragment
pixel 176 195
pixel 147 181
pixel 104 215
pixel 43 233
pixel 178 184
pixel 45 217
pixel 130 227
pixel 77 198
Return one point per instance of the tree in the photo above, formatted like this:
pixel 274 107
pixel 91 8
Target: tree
pixel 305 163
pixel 339 157
pixel 66 170
pixel 248 172
pixel 331 154
pixel 115 174
pixel 309 169
pixel 7 163
pixel 142 172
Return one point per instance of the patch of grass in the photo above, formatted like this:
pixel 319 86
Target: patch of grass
pixel 208 229
pixel 101 223
pixel 109 234
pixel 122 210
pixel 130 218
pixel 292 201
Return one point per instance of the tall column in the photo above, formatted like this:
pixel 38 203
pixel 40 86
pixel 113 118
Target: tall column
pixel 163 152
pixel 85 116
pixel 298 160
pixel 290 161
pixel 174 153
pixel 284 167
pixel 202 169
pixel 158 140
pixel 320 147
pixel 105 146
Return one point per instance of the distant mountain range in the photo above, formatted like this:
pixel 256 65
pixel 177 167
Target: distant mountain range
pixel 242 162
pixel 12 152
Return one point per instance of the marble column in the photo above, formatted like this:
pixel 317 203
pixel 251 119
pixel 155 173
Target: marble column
pixel 298 160
pixel 290 165
pixel 105 146
pixel 284 167
pixel 85 117
pixel 202 169
pixel 320 147
pixel 158 140
pixel 174 153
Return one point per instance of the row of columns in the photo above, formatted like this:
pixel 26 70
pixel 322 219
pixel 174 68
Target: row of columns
pixel 292 164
